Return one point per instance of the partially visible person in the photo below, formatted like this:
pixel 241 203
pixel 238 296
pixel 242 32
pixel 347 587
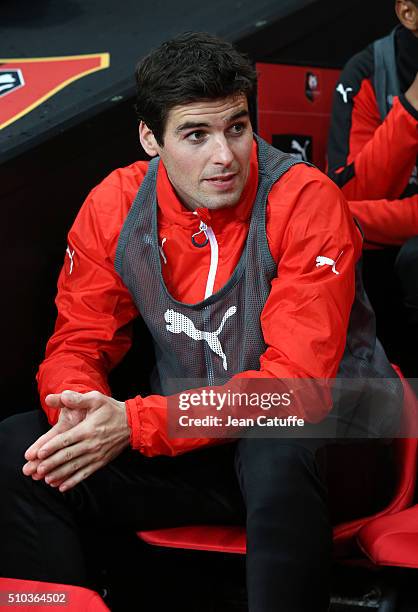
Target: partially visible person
pixel 372 156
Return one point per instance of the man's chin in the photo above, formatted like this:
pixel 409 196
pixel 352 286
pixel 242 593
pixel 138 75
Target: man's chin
pixel 226 200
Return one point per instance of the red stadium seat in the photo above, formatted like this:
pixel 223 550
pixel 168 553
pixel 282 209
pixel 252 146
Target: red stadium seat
pixel 406 466
pixel 232 539
pixel 392 539
pixel 21 591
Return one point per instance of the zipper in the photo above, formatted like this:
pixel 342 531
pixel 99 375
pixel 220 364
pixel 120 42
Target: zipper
pixel 214 255
pixel 213 267
pixel 214 259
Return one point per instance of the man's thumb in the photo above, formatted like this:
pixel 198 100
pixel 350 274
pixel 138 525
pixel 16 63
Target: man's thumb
pixel 71 399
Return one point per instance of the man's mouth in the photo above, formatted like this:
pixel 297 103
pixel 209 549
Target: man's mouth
pixel 222 181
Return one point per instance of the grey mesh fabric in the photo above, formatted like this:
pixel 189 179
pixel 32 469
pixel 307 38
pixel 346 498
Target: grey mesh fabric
pixel 214 339
pixel 385 78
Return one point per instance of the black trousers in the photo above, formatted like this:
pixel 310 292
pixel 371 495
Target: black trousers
pixel 406 269
pixel 391 282
pixel 272 486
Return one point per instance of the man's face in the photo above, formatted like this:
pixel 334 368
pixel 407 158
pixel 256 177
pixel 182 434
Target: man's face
pixel 206 152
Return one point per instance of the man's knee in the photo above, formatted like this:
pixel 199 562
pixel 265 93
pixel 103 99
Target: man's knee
pixel 277 469
pixel 17 433
pixel 406 265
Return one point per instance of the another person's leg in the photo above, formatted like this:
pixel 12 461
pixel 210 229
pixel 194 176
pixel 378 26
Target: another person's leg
pixel 289 535
pixel 406 269
pixel 41 529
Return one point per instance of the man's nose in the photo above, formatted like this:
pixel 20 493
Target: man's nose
pixel 222 153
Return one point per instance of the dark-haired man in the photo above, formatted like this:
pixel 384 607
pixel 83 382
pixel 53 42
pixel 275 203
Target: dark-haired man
pixel 241 261
pixel 372 156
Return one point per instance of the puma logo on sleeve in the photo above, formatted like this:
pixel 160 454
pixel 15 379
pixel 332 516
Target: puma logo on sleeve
pixel 71 256
pixel 327 261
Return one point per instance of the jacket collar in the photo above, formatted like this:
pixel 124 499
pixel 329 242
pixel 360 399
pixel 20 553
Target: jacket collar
pixel 175 212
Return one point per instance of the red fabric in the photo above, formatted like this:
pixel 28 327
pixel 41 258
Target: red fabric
pixel 383 155
pixel 77 598
pixel 389 222
pixel 304 320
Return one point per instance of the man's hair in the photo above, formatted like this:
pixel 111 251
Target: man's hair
pixel 189 68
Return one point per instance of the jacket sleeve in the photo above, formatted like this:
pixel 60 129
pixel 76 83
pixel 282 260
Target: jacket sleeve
pixel 386 222
pixel 306 315
pixel 369 159
pixel 92 331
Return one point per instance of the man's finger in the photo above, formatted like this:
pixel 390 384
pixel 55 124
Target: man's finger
pixel 66 470
pixel 62 440
pixel 62 457
pixel 73 399
pixel 30 467
pixel 32 451
pixel 53 400
pixel 80 475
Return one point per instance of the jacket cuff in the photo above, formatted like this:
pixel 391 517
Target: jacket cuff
pixel 133 407
pixel 408 106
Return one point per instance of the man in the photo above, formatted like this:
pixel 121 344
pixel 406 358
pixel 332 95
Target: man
pixel 219 236
pixel 372 156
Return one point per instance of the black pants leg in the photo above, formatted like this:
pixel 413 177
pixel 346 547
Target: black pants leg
pixel 406 269
pixel 288 531
pixel 41 529
pixel 287 521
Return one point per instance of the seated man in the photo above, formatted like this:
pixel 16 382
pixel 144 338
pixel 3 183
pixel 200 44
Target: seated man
pixel 241 261
pixel 372 156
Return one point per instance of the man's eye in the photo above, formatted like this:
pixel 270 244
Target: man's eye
pixel 196 136
pixel 237 128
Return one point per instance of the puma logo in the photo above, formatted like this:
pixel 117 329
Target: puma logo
pixel 327 261
pixel 71 256
pixel 344 92
pixel 178 323
pixel 302 152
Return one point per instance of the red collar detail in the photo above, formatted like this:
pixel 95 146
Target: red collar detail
pixel 175 212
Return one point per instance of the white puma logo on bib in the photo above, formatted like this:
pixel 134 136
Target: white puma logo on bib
pixel 178 323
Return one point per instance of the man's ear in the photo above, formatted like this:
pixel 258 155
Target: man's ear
pixel 407 13
pixel 148 140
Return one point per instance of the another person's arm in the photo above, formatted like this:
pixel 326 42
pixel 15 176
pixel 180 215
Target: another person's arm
pixel 386 222
pixel 369 159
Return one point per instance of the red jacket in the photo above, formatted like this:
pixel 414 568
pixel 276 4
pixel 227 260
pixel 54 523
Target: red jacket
pixel 304 320
pixel 373 161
